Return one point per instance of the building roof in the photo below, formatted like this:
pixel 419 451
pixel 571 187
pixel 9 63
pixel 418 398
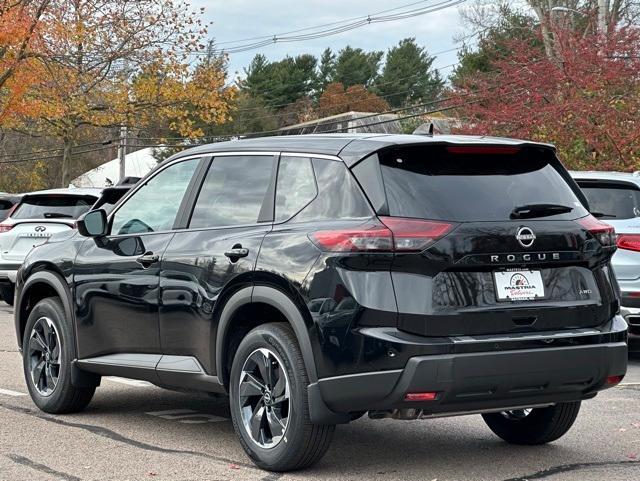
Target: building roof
pixel 81 192
pixel 137 164
pixel 349 147
pixel 606 175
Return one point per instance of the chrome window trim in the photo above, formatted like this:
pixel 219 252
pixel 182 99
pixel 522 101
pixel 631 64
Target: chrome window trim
pixel 213 154
pixel 310 155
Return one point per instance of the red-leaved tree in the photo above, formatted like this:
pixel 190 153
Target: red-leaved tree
pixel 587 101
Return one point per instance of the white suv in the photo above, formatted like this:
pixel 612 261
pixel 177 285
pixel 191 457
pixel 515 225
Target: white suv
pixel 37 217
pixel 614 197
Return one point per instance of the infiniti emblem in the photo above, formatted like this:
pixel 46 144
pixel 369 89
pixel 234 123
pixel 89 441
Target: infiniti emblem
pixel 40 228
pixel 525 237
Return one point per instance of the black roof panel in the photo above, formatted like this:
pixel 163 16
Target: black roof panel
pixel 350 147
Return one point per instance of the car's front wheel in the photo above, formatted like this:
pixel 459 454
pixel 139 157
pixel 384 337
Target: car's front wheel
pixel 47 354
pixel 269 407
pixel 533 426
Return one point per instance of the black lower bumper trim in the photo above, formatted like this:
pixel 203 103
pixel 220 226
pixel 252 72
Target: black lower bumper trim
pixel 484 380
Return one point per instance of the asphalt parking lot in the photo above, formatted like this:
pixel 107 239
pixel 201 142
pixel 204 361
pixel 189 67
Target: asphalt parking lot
pixel 135 431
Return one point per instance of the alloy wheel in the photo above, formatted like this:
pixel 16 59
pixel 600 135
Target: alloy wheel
pixel 264 397
pixel 45 356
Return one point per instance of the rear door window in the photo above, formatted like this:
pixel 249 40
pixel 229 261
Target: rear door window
pixel 53 206
pixel 233 191
pixel 612 200
pixel 435 183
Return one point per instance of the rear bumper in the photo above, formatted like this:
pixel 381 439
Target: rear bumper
pixel 632 316
pixel 483 381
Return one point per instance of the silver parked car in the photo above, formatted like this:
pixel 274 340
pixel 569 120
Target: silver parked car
pixel 614 197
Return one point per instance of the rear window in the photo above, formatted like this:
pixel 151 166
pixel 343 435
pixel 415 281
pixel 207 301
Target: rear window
pixel 610 200
pixel 433 183
pixel 5 208
pixel 52 207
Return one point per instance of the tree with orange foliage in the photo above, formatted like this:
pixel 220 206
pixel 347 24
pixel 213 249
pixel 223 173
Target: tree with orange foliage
pixel 20 28
pixel 107 63
pixel 336 100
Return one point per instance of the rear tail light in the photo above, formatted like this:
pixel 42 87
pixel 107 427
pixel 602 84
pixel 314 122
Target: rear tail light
pixel 482 150
pixel 629 242
pixel 5 228
pixel 395 234
pixel 604 233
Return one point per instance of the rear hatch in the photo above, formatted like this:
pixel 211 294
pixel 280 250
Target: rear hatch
pixel 511 246
pixel 37 218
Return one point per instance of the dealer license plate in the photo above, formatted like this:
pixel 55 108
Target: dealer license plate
pixel 518 285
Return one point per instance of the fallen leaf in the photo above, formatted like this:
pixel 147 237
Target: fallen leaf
pixel 234 466
pixel 632 456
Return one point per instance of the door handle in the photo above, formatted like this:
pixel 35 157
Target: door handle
pixel 236 253
pixel 147 259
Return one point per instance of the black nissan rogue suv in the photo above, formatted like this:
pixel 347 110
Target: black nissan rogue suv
pixel 318 278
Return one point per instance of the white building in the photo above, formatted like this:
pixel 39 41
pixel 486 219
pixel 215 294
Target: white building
pixel 137 164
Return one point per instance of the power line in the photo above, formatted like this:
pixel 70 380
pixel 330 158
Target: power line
pixel 338 27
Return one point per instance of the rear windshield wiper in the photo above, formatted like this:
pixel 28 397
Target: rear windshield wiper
pixel 56 215
pixel 599 215
pixel 529 211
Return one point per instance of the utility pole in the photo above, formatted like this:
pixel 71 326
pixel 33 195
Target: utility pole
pixel 603 10
pixel 122 151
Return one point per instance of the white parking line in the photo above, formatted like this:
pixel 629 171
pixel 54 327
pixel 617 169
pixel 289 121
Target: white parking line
pixel 629 384
pixel 128 382
pixel 9 392
pixel 187 416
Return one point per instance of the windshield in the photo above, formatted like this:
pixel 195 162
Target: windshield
pixel 434 183
pixel 53 206
pixel 612 200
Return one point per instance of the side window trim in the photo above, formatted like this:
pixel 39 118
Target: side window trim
pixel 193 191
pixel 268 209
pixel 144 182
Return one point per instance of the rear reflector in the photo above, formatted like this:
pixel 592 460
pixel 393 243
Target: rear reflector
pixel 5 228
pixel 613 380
pixel 420 396
pixel 604 233
pixel 482 150
pixel 629 242
pixel 394 234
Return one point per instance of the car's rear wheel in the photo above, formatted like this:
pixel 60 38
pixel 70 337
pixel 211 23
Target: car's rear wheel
pixel 269 407
pixel 7 292
pixel 47 353
pixel 533 426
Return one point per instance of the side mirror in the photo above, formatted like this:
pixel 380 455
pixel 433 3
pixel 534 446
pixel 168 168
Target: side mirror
pixel 93 224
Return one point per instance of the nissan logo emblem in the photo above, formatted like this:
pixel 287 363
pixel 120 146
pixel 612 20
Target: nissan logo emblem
pixel 525 237
pixel 41 228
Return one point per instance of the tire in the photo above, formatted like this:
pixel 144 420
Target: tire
pixel 539 426
pixel 55 395
pixel 7 292
pixel 301 443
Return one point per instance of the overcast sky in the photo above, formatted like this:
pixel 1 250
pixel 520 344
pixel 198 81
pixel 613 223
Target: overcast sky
pixel 239 19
